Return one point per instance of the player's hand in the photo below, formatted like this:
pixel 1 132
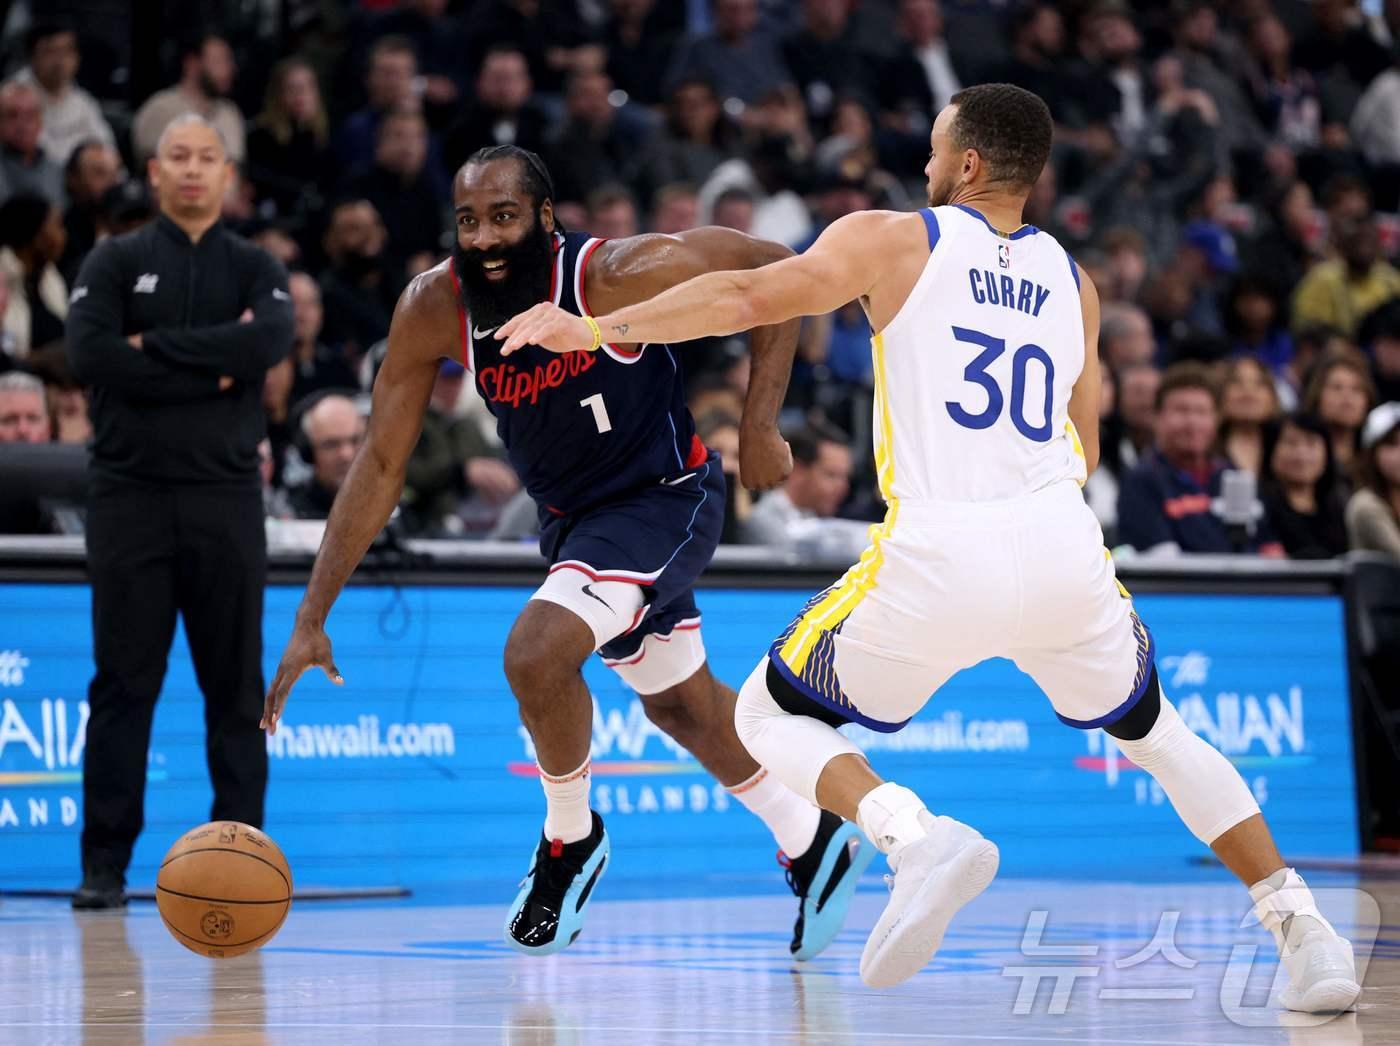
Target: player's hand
pixel 765 459
pixel 308 647
pixel 549 327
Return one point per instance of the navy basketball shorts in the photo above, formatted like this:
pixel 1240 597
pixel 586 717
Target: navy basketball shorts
pixel 628 567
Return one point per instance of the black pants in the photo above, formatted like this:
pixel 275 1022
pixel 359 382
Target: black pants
pixel 152 552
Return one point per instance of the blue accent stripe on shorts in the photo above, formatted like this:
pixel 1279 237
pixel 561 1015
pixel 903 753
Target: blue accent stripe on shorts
pixel 1146 656
pixel 844 711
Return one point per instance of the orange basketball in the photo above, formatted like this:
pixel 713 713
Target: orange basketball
pixel 223 889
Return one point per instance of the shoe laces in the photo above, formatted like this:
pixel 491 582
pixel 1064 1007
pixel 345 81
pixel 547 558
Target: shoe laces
pixel 889 883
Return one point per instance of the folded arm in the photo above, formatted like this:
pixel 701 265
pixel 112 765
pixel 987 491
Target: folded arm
pixel 102 357
pixel 243 350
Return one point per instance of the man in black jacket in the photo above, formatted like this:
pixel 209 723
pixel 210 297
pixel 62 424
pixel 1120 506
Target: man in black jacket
pixel 173 326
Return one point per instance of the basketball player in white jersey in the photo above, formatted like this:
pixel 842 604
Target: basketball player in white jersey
pixel 986 425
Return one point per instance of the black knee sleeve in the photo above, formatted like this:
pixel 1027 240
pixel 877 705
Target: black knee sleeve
pixel 1138 721
pixel 794 702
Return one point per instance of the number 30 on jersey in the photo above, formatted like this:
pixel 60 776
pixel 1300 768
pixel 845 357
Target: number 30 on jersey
pixel 976 373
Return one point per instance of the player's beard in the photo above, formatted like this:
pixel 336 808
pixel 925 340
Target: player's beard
pixel 939 193
pixel 528 262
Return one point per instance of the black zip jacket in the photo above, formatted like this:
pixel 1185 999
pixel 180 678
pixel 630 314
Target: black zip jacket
pixel 158 414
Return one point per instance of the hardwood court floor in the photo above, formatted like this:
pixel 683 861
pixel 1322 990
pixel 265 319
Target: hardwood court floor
pixel 698 971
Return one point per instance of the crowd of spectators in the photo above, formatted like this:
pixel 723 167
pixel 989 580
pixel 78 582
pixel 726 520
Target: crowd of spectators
pixel 1228 175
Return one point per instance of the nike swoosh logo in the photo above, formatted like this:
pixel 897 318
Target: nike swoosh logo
pixel 676 482
pixel 588 591
pixel 478 333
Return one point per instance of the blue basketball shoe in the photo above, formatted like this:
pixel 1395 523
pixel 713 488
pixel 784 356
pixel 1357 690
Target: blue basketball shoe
pixel 824 879
pixel 547 915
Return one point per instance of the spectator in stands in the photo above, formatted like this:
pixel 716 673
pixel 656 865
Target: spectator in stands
pixel 1165 502
pixel 71 115
pixel 503 113
pixel 1108 99
pixel 289 158
pixel 31 243
pixel 1124 248
pixel 1340 292
pixel 313 364
pixel 612 213
pixel 640 45
pixel 24 165
pixel 357 286
pixel 1291 239
pixel 1339 49
pixel 741 60
pixel 734 209
pixel 207 73
pixel 695 140
pixel 403 191
pixel 1373 513
pixel 93 168
pixel 390 75
pixel 1037 38
pixel 125 206
pixel 1125 336
pixel 675 208
pixel 1340 393
pixel 720 432
pixel 1375 123
pixel 1248 404
pixel 455 482
pixel 800 515
pixel 825 58
pixel 549 34
pixel 1254 318
pixel 1133 425
pixel 1382 335
pixel 24 412
pixel 332 429
pixel 594 143
pixel 440 44
pixel 68 407
pixel 916 82
pixel 1210 63
pixel 1302 493
pixel 1285 97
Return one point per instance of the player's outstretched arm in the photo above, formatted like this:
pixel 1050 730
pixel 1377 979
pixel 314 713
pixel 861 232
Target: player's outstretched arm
pixel 844 264
pixel 625 272
pixel 1084 398
pixel 420 334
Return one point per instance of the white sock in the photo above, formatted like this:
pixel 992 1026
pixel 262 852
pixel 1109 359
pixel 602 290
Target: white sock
pixel 889 815
pixel 792 820
pixel 1285 906
pixel 567 817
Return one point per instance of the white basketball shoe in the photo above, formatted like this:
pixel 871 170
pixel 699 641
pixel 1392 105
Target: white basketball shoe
pixel 1319 961
pixel 933 878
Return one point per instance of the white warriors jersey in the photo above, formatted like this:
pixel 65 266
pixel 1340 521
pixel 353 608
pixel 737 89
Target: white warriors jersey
pixel 973 375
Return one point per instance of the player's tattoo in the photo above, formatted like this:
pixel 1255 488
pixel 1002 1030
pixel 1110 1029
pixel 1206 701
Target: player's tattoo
pixel 622 328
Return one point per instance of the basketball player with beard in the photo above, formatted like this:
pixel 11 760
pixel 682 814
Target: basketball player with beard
pixel 631 505
pixel 986 425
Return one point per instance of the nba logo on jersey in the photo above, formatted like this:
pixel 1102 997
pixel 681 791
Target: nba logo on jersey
pixel 1004 255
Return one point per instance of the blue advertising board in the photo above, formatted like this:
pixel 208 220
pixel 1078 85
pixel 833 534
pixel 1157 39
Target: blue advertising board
pixel 418 773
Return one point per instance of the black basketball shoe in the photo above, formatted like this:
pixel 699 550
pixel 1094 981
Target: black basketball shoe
pixel 824 880
pixel 548 912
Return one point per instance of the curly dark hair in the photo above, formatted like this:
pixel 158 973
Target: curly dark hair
pixel 1009 126
pixel 535 179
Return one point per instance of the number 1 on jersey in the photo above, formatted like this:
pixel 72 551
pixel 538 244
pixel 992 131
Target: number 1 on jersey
pixel 600 412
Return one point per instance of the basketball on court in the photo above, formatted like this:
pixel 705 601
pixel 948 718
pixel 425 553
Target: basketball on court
pixel 223 889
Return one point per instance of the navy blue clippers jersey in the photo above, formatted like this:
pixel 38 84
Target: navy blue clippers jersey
pixel 582 427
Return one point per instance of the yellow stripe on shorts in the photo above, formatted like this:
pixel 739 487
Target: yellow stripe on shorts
pixel 836 605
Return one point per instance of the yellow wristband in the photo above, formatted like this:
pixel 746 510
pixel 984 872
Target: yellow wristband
pixel 597 333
